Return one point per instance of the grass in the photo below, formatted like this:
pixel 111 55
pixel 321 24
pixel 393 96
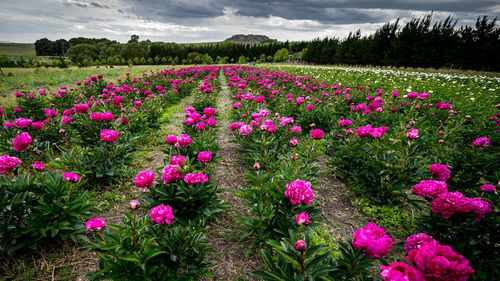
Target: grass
pixel 51 79
pixel 17 49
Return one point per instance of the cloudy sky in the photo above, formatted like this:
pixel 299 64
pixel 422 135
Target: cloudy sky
pixel 216 20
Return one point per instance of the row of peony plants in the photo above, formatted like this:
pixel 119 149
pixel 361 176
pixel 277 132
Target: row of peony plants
pixel 168 242
pixel 86 138
pixel 429 264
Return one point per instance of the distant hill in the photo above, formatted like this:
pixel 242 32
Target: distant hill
pixel 250 39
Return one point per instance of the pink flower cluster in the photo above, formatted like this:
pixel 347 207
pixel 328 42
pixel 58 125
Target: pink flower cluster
pixel 171 173
pixel 412 134
pixel 302 219
pixel 415 241
pixel 8 164
pixel 299 192
pixel 487 188
pixel 400 271
pixel 37 165
pixel 440 172
pixel 108 135
pixel 317 134
pixel 452 202
pixel 144 179
pixel 430 188
pixel 439 262
pixel 177 160
pixel 204 157
pixel 71 177
pixel 372 240
pixel 95 224
pixel 195 178
pixel 162 214
pixel 22 141
pixel 245 130
pixel 481 142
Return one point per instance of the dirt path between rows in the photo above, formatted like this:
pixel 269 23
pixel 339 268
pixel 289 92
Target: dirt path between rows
pixel 233 259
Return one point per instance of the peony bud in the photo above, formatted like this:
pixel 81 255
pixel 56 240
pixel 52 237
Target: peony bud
pixel 62 131
pixel 294 142
pixel 256 166
pixel 134 204
pixel 300 246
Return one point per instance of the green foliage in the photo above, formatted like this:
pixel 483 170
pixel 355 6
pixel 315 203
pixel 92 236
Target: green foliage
pixel 142 250
pixel 281 55
pixel 40 206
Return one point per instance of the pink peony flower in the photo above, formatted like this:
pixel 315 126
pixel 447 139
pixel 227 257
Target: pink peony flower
pixel 209 112
pixel 69 112
pixel 22 123
pixel 22 141
pixel 235 125
pixel 364 131
pixel 37 165
pixel 71 177
pixel 294 142
pixel 82 108
pixel 50 113
pixel 37 125
pixel 144 179
pixel 299 192
pixel 317 134
pixel 200 126
pixel 245 130
pixel 439 262
pixel 184 140
pixel 108 135
pixel 204 157
pixel 378 132
pixel 440 172
pixel 481 142
pixel 237 105
pixel 66 120
pixel 8 164
pixel 95 224
pixel 415 241
pixel 412 134
pixel 451 202
pixel 162 214
pixel 194 178
pixel 480 208
pixel 107 116
pixel 170 174
pixel 430 188
pixel 399 271
pixel 256 166
pixel 345 123
pixel 177 160
pixel 488 188
pixel 171 139
pixel 372 240
pixel 302 219
pixel 296 129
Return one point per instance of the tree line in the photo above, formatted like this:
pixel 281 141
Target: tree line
pixel 418 43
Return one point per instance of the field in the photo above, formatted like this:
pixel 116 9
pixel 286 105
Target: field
pixel 237 172
pixel 17 50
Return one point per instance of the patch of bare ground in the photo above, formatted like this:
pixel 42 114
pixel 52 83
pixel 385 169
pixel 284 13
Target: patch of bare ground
pixel 341 217
pixel 232 259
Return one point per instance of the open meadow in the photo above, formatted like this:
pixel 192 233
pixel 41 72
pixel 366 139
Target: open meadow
pixel 249 172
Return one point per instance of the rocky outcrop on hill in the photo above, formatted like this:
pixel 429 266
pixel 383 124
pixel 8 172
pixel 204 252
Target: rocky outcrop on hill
pixel 250 39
